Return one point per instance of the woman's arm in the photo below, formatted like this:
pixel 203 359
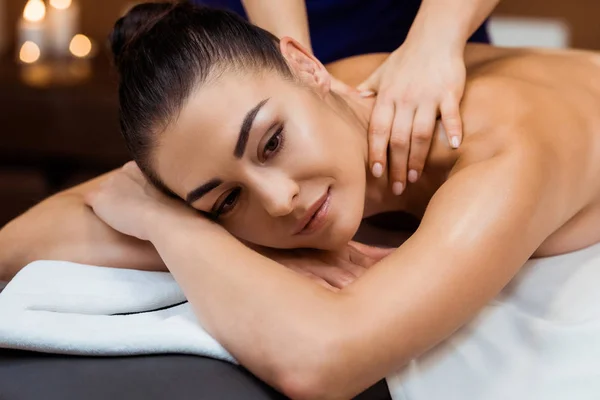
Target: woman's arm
pixel 282 18
pixel 478 230
pixel 62 227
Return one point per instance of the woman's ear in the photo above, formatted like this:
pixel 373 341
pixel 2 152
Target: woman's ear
pixel 304 65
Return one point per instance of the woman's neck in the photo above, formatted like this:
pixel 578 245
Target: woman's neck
pixel 378 196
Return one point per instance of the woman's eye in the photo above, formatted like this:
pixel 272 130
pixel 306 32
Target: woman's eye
pixel 228 203
pixel 274 144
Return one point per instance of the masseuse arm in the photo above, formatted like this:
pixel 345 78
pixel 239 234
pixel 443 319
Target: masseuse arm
pixel 62 227
pixel 478 230
pixel 451 22
pixel 282 18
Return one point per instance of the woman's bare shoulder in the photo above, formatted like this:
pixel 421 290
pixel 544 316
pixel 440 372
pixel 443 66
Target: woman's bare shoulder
pixel 503 113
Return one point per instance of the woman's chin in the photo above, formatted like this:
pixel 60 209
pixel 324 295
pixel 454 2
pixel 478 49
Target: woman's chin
pixel 342 232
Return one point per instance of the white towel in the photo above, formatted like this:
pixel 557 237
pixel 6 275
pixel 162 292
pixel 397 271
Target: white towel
pixel 63 307
pixel 539 339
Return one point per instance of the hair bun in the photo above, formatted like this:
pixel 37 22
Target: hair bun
pixel 139 20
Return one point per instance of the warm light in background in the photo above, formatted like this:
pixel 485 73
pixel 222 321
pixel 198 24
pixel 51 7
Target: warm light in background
pixel 61 4
pixel 34 11
pixel 30 52
pixel 80 46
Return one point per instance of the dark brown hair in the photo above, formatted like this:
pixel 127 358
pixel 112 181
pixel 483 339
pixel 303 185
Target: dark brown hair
pixel 165 50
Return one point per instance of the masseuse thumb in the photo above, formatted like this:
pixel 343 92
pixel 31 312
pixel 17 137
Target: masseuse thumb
pixel 370 86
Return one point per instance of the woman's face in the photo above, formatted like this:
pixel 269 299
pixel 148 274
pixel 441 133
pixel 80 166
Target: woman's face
pixel 278 164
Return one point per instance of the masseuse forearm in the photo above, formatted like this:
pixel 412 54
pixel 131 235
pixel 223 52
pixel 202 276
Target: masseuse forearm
pixel 282 18
pixel 450 23
pixel 276 323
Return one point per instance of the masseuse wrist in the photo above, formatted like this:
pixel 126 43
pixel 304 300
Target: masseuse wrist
pixel 435 35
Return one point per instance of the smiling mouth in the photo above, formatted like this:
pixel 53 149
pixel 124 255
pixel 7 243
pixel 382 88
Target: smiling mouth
pixel 317 215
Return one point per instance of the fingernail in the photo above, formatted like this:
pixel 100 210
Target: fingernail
pixel 455 142
pixel 367 93
pixel 413 176
pixel 377 170
pixel 397 188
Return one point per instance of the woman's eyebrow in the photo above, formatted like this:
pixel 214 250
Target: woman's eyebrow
pixel 242 141
pixel 201 190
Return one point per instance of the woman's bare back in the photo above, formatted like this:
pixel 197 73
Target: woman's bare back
pixel 539 95
pixel 547 97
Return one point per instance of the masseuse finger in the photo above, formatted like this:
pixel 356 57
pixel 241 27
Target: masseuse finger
pixel 400 147
pixel 420 141
pixel 450 110
pixel 379 134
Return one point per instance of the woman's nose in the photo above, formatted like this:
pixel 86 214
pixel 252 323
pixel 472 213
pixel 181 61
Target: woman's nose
pixel 278 195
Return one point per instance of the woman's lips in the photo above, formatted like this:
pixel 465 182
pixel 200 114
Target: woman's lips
pixel 319 216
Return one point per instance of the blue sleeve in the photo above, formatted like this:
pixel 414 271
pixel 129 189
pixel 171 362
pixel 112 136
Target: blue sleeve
pixel 345 28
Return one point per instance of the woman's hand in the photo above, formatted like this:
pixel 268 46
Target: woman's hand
pixel 333 270
pixel 412 85
pixel 126 202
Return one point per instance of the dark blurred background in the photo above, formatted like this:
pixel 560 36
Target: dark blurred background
pixel 54 134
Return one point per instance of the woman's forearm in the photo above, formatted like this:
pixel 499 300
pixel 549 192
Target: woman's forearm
pixel 252 305
pixel 282 18
pixel 449 23
pixel 62 227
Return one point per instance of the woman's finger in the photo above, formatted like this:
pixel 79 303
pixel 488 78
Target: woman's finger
pixel 420 141
pixel 379 135
pixel 317 279
pixel 450 111
pixel 367 255
pixel 323 282
pixel 334 275
pixel 400 148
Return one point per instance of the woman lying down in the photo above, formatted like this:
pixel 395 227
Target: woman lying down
pixel 238 138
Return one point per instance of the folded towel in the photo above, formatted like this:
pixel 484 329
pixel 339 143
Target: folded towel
pixel 63 307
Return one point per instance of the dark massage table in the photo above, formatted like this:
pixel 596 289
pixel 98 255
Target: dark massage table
pixel 38 376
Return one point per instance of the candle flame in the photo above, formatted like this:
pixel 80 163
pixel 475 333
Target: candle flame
pixel 80 46
pixel 61 4
pixel 35 10
pixel 30 52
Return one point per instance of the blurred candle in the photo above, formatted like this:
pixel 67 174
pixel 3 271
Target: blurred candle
pixel 80 46
pixel 31 26
pixel 29 53
pixel 63 21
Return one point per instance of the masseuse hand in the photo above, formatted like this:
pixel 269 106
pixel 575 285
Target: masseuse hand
pixel 412 85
